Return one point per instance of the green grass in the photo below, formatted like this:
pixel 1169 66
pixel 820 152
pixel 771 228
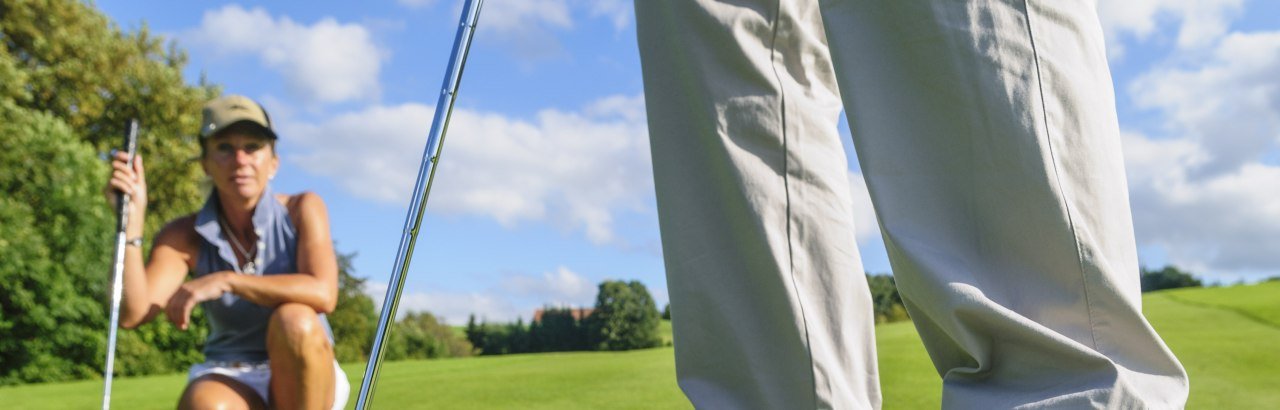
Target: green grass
pixel 1259 302
pixel 664 329
pixel 1226 338
pixel 907 377
pixel 632 380
pixel 1229 353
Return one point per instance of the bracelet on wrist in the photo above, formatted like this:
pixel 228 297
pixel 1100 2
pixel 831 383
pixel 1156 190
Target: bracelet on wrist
pixel 134 241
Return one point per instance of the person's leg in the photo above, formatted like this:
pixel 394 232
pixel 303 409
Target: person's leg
pixel 987 134
pixel 302 372
pixel 769 302
pixel 216 391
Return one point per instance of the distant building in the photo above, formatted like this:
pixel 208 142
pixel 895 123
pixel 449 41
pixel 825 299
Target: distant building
pixel 579 314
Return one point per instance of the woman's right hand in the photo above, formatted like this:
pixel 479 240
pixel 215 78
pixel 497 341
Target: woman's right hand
pixel 132 182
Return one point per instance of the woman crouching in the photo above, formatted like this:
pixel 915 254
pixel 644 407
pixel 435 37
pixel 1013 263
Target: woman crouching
pixel 263 268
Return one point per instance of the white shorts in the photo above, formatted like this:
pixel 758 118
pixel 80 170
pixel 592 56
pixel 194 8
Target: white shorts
pixel 257 375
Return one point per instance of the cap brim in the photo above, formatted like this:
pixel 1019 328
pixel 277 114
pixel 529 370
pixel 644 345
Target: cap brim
pixel 265 131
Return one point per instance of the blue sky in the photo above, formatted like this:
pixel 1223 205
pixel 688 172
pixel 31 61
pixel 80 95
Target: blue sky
pixel 545 184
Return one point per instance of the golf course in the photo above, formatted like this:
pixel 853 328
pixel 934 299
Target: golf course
pixel 1225 336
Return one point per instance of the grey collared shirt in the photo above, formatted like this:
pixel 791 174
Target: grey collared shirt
pixel 237 327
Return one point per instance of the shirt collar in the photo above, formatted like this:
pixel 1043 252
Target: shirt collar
pixel 208 227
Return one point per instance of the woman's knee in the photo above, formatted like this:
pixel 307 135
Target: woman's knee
pixel 296 324
pixel 219 392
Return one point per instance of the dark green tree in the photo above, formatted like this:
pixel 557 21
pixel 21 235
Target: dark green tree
pixel 69 80
pixel 354 319
pixel 518 337
pixel 1168 277
pixel 491 338
pixel 625 317
pixel 886 303
pixel 55 247
pixel 472 331
pixel 557 331
pixel 72 62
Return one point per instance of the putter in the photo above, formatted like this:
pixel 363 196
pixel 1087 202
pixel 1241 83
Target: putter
pixel 117 274
pixel 417 204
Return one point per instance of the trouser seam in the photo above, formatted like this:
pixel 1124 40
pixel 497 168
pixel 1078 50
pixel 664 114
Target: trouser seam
pixel 786 185
pixel 1057 175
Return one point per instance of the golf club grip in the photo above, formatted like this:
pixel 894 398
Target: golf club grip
pixel 131 148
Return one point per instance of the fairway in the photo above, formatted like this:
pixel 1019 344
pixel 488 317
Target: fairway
pixel 1223 339
pixel 1224 336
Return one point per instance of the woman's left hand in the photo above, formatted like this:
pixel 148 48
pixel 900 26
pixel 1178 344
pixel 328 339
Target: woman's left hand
pixel 207 287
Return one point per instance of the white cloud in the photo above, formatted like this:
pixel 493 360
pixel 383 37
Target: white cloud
pixel 517 296
pixel 518 16
pixel 575 170
pixel 1229 104
pixel 454 308
pixel 324 62
pixel 1227 225
pixel 526 27
pixel 617 11
pixel 561 287
pixel 1200 22
pixel 1200 186
pixel 865 226
pixel 529 28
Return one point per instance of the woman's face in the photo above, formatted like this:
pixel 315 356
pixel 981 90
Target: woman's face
pixel 240 164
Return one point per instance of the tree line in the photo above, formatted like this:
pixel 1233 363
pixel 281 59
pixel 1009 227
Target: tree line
pixel 625 317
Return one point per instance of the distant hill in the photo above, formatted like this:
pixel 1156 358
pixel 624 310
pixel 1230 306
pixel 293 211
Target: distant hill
pixel 1227 338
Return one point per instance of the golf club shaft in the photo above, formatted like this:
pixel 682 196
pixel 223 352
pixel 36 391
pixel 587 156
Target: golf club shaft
pixel 417 204
pixel 117 275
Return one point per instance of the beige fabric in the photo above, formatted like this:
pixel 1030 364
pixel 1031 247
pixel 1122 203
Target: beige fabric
pixel 987 135
pixel 224 111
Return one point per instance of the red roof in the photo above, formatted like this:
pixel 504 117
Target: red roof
pixel 578 313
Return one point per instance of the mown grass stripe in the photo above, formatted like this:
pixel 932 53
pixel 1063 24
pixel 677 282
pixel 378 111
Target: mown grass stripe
pixel 1260 302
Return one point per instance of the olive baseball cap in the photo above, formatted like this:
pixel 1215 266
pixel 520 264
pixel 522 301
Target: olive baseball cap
pixel 231 109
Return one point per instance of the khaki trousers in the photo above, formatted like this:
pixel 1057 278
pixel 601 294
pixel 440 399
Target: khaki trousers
pixel 987 134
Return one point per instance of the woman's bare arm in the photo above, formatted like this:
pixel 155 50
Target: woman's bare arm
pixel 315 285
pixel 145 288
pixel 171 259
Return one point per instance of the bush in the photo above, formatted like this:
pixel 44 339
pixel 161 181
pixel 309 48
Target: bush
pixel 419 335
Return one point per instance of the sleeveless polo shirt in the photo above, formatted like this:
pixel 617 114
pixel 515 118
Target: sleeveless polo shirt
pixel 237 327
